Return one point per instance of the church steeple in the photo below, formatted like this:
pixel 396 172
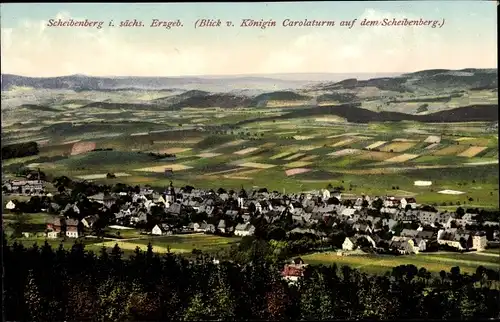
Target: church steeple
pixel 170 193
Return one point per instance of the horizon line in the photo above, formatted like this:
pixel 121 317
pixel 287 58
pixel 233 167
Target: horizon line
pixel 244 74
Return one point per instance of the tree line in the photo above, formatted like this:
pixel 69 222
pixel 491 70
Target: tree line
pixel 20 150
pixel 45 284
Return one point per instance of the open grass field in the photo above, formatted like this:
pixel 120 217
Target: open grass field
pixel 382 263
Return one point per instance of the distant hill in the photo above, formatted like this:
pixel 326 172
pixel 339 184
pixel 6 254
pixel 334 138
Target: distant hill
pixel 89 83
pixel 427 79
pixel 213 100
pixel 259 100
pixel 352 113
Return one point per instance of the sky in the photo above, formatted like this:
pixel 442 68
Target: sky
pixel 29 47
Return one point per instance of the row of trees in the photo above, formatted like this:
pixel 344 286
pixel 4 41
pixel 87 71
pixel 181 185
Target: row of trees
pixel 43 284
pixel 19 150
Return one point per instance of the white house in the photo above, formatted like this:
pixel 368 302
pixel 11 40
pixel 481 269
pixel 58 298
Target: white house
pixel 348 244
pixel 408 201
pixel 479 242
pixel 157 230
pixel 10 205
pixel 52 234
pixel 244 229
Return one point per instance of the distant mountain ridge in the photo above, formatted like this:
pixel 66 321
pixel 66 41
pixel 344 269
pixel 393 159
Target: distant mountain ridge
pixel 89 83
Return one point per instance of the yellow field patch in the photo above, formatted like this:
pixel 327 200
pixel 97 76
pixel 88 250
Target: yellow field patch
pixel 174 150
pixel 375 145
pixel 280 155
pixel 340 135
pixel 294 156
pixel 397 146
pixel 343 142
pixel 292 172
pixel 309 158
pixel 297 164
pixel 302 137
pixel 463 139
pixel 451 150
pixel 404 140
pixel 244 172
pixel 472 151
pixel 376 155
pixel 309 147
pixel 344 152
pixel 257 165
pixel 433 139
pixel 208 155
pixel 246 151
pixel 402 158
pixel 161 168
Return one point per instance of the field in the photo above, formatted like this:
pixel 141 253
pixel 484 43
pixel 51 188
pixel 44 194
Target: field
pixel 380 264
pixel 216 147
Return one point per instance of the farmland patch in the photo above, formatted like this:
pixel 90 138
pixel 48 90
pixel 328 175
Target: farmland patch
pixel 397 146
pixel 472 151
pixel 102 176
pixel 402 158
pixel 433 139
pixel 376 155
pixel 375 145
pixel 246 151
pixel 451 150
pixel 344 152
pixel 161 168
pixel 294 156
pixel 292 172
pixel 297 164
pixel 257 165
pixel 208 155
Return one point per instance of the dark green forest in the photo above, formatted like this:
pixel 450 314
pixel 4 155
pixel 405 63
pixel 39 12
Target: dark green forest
pixel 19 150
pixel 45 284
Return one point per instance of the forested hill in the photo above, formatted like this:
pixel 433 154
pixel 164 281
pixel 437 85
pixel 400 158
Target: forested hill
pixel 42 284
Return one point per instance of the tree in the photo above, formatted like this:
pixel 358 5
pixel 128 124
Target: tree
pixel 33 299
pixel 378 204
pixel 460 212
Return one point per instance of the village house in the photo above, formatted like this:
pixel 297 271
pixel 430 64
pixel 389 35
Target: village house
pixel 24 186
pixel 72 228
pixel 455 239
pixel 244 230
pixel 103 198
pixel 417 244
pixel 210 229
pixel 479 242
pixel 294 271
pixel 351 243
pixel 10 205
pixel 162 229
pixel 408 201
pixel 89 221
pixel 54 227
pixel 405 246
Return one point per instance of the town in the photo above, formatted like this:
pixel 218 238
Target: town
pixel 346 223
